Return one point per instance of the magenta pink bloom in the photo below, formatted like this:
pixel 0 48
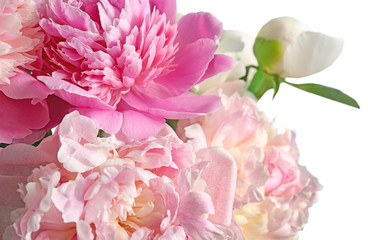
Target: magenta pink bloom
pixel 76 185
pixel 128 64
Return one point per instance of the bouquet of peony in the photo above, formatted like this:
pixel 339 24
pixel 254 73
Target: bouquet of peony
pixel 125 120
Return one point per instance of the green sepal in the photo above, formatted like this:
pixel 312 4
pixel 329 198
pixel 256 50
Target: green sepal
pixel 267 52
pixel 262 82
pixel 327 92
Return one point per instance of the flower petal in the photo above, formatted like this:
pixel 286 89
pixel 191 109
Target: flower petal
pixel 9 199
pixel 167 7
pixel 19 117
pixel 194 26
pixel 189 67
pixel 73 94
pixel 148 125
pixel 104 118
pixel 21 159
pixel 184 106
pixel 220 176
pixel 310 53
pixel 24 86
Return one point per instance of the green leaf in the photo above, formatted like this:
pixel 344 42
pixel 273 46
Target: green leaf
pixel 4 145
pixel 327 92
pixel 173 123
pixel 267 52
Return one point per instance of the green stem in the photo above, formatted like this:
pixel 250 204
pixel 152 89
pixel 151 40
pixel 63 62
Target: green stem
pixel 261 82
pixel 247 68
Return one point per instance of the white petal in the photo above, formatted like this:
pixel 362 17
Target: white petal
pixel 310 53
pixel 283 29
pixel 230 41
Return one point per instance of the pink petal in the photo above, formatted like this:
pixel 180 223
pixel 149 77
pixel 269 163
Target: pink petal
pixel 195 26
pixel 140 125
pixel 19 117
pixel 174 232
pixel 67 32
pixel 73 94
pixel 72 16
pixel 84 231
pixel 167 7
pixel 184 106
pixel 23 86
pixel 189 67
pixel 58 108
pixel 220 177
pixel 20 159
pixel 104 119
pixel 9 199
pixel 192 207
pixel 219 63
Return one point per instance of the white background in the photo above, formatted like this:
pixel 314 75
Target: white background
pixel 332 137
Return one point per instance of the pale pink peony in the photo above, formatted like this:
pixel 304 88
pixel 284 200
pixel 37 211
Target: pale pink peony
pixel 128 64
pixel 104 188
pixel 21 38
pixel 243 131
pixel 273 192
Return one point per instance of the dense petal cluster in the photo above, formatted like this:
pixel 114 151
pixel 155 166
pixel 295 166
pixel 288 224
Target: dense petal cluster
pixel 103 188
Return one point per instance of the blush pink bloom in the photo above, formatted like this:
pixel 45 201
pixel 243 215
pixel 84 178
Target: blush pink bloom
pixel 104 188
pixel 128 65
pixel 21 38
pixel 273 192
pixel 243 131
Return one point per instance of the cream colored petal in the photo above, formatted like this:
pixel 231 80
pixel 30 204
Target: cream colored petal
pixel 310 53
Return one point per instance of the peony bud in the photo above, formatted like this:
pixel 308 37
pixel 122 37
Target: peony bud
pixel 285 47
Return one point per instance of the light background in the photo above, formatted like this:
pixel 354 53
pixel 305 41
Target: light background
pixel 332 138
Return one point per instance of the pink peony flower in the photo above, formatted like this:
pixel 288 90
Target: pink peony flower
pixel 104 188
pixel 21 38
pixel 128 64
